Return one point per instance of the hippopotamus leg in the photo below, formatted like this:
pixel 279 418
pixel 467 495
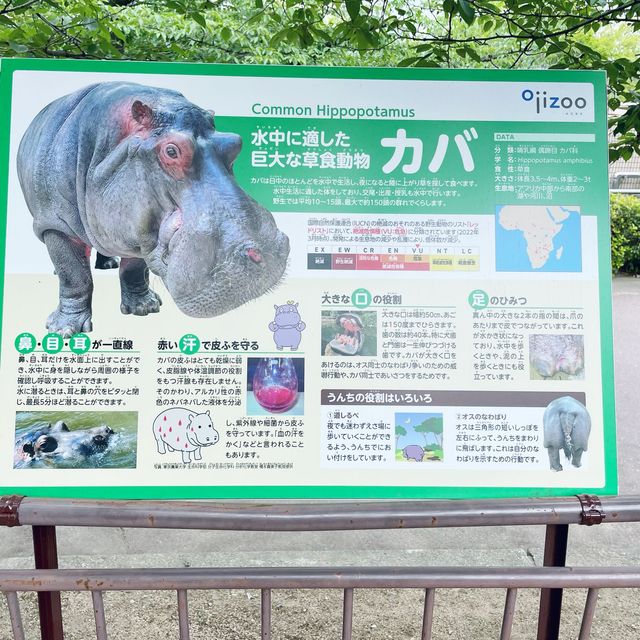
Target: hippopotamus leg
pixel 161 447
pixel 71 262
pixel 186 457
pixel 136 296
pixel 106 262
pixel 197 454
pixel 577 457
pixel 554 459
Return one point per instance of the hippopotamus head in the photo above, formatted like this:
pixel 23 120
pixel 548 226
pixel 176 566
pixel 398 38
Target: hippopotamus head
pixel 43 443
pixel 200 430
pixel 287 315
pixel 99 437
pixel 212 244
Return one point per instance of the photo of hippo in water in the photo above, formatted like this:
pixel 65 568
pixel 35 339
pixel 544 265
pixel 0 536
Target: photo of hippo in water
pixel 142 173
pixel 75 440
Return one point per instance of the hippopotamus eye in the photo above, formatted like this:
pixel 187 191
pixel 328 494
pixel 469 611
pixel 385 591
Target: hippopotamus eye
pixel 175 153
pixel 172 150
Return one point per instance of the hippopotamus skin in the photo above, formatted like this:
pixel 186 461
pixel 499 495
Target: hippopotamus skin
pixel 566 425
pixel 287 326
pixel 413 452
pixel 141 173
pixel 179 429
pixel 58 440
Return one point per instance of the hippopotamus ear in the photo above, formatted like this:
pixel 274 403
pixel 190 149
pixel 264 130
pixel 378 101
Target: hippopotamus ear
pixel 142 114
pixel 190 418
pixel 207 412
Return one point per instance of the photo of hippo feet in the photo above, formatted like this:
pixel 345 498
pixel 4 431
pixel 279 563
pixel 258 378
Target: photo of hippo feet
pixel 140 304
pixel 67 324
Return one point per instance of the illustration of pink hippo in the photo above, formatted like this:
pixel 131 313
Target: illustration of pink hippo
pixel 185 431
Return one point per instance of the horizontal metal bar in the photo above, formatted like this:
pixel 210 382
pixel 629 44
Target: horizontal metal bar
pixel 317 516
pixel 318 578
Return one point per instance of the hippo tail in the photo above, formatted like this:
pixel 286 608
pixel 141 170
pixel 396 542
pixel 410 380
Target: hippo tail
pixel 567 420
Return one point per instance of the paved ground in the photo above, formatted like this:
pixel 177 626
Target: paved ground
pixel 388 614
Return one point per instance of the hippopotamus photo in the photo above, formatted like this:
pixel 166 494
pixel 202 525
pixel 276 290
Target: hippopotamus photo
pixel 142 173
pixel 566 425
pixel 550 355
pixel 58 441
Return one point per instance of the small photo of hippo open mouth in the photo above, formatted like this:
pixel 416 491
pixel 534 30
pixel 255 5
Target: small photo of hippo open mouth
pixel 67 440
pixel 142 174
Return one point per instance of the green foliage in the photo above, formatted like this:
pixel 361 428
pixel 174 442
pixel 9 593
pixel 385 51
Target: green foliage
pixel 566 34
pixel 430 425
pixel 625 234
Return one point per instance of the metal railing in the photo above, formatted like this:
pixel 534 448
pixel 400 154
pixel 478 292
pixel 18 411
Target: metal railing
pixel 557 514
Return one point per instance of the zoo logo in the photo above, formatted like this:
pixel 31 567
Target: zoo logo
pixel 543 101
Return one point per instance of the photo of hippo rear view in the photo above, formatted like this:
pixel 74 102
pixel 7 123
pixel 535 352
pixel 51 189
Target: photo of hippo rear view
pixel 141 173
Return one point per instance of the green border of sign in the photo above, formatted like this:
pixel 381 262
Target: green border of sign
pixel 597 78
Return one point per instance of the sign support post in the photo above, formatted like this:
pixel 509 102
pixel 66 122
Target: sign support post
pixel 45 551
pixel 555 555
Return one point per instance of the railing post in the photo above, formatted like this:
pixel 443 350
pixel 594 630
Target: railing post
pixel 555 555
pixel 45 551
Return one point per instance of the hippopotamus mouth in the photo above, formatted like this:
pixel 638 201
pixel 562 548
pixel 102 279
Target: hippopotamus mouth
pixel 211 270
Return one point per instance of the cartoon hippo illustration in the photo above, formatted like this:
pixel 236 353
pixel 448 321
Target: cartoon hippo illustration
pixel 142 173
pixel 413 452
pixel 59 441
pixel 179 429
pixel 287 326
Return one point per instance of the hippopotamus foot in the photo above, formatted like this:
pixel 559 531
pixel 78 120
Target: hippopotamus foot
pixel 136 296
pixel 140 305
pixel 69 323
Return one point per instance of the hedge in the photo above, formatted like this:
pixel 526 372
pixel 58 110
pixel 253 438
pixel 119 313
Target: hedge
pixel 625 234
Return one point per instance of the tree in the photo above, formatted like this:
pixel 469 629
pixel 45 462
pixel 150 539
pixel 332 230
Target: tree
pixel 567 34
pixel 400 431
pixel 433 425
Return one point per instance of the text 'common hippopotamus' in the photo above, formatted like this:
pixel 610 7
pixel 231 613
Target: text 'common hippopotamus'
pixel 141 172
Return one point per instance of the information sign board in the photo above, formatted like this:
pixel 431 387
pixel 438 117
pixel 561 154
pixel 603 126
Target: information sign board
pixel 288 282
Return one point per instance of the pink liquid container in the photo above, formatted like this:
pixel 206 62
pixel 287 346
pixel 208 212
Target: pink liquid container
pixel 275 384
